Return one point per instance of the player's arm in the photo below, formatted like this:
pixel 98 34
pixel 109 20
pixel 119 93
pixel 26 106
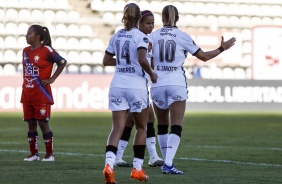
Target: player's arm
pixel 109 59
pixel 142 52
pixel 225 45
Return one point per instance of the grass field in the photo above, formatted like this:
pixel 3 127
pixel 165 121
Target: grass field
pixel 229 148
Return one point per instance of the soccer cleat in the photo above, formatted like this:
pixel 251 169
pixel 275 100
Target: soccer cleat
pixel 139 175
pixel 32 158
pixel 170 170
pixel 122 163
pixel 109 175
pixel 48 158
pixel 156 161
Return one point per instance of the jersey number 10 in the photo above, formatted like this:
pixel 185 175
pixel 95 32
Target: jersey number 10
pixel 167 50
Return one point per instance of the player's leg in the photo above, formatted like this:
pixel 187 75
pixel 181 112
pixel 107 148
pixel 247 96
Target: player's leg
pixel 139 145
pixel 43 117
pixel 123 142
pixel 177 105
pixel 32 134
pixel 154 159
pixel 118 123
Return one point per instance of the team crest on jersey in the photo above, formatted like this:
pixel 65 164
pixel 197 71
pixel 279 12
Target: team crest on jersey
pixel 117 101
pixel 42 111
pixel 36 58
pixel 137 104
pixel 146 40
pixel 62 61
pixel 122 31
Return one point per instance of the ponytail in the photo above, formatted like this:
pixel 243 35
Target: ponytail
pixel 131 15
pixel 170 15
pixel 44 34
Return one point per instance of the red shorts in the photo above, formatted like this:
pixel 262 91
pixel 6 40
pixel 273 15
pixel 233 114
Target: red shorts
pixel 37 112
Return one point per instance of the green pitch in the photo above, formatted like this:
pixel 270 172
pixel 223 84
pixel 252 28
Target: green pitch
pixel 229 148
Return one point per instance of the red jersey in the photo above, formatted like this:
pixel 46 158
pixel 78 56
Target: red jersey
pixel 37 66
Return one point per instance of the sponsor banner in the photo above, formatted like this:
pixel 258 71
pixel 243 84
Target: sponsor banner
pixel 90 93
pixel 267 55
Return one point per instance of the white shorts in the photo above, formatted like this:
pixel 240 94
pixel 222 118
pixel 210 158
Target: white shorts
pixel 123 98
pixel 164 96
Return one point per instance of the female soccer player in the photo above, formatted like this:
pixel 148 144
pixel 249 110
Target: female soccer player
pixel 169 94
pixel 38 61
pixel 128 90
pixel 146 25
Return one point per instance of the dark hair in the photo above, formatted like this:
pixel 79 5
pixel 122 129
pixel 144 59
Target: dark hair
pixel 43 33
pixel 131 15
pixel 170 13
pixel 144 14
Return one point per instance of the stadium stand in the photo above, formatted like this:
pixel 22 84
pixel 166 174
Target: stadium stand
pixel 80 30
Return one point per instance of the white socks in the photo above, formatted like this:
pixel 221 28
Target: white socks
pixel 121 147
pixel 110 159
pixel 172 146
pixel 138 163
pixel 163 143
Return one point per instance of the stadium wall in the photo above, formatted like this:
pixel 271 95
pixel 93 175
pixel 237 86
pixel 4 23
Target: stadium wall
pixel 90 93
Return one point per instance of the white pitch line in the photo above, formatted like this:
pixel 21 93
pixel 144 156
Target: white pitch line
pixel 181 158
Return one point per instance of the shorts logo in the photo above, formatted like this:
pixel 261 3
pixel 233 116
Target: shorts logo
pixel 137 104
pixel 160 102
pixel 177 98
pixel 117 101
pixel 42 111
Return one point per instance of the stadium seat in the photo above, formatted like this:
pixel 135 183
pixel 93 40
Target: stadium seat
pixel 108 18
pixel 11 14
pixel 85 57
pixel 234 21
pixel 246 34
pixel 3 4
pixel 85 30
pixel 228 73
pixel 36 15
pixel 2 43
pixel 1 56
pixel 61 43
pixel 24 14
pixel 156 6
pixel 245 21
pixel 85 69
pixel 85 44
pixel 61 29
pixel 73 15
pixel 19 69
pixel 12 3
pixel 61 15
pixel 19 56
pixel 1 70
pixel 205 72
pixel 98 69
pixel 9 69
pixel 10 42
pixel 266 21
pixel 37 4
pixel 73 57
pixel 62 4
pixel 72 69
pixel 10 56
pixel 109 5
pixel 98 44
pixel 190 19
pixel 2 13
pixel 73 30
pixel 201 21
pixel 110 69
pixel 63 54
pixel 49 15
pixel 119 5
pixel 255 21
pixel 11 28
pixel 96 5
pixel 24 3
pixel 49 4
pixel 144 5
pixel 239 73
pixel 219 8
pixel 22 28
pixel 97 57
pixel 118 17
pixel 222 21
pixel 21 42
pixel 73 44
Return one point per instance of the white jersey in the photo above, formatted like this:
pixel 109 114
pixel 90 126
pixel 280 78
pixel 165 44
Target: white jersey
pixel 124 45
pixel 170 48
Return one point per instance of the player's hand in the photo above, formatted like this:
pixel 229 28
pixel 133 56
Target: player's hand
pixel 47 81
pixel 154 77
pixel 227 44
